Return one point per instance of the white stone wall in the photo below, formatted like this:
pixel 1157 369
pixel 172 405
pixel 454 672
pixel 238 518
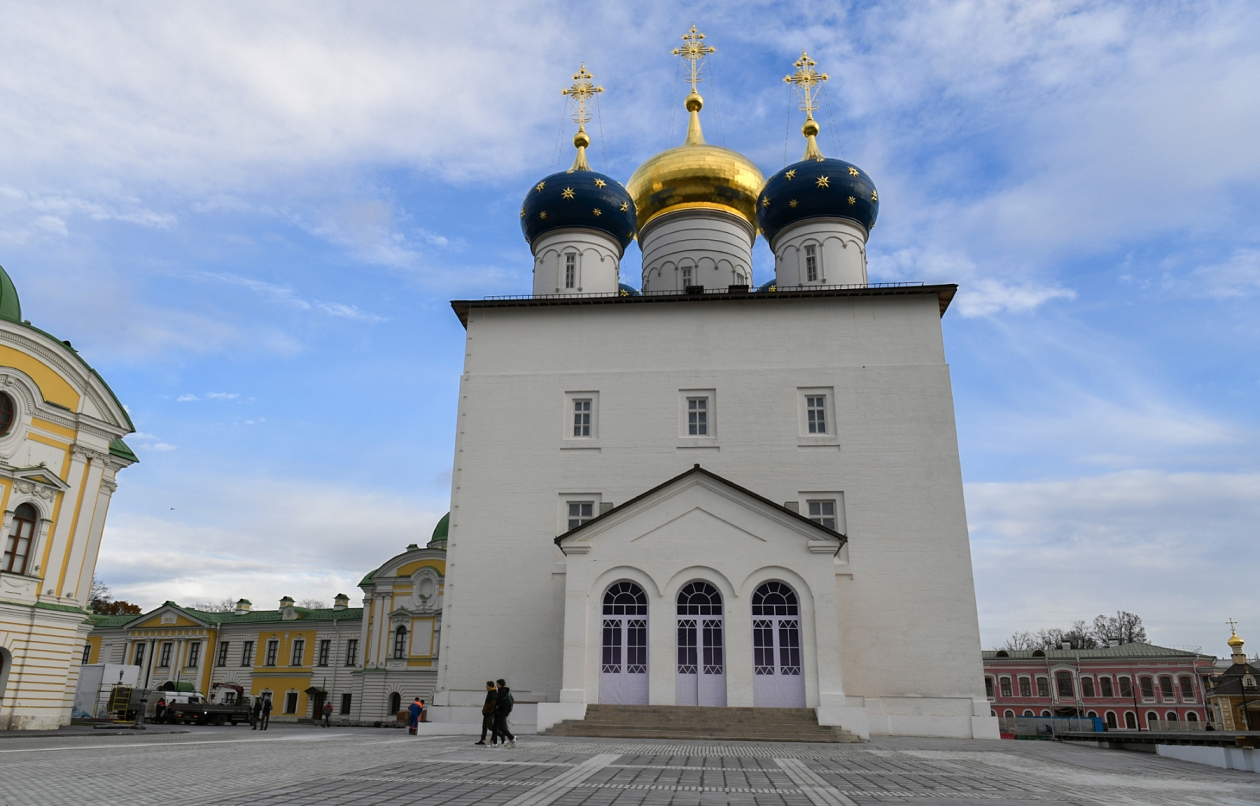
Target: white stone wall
pixel 840 249
pixel 714 245
pixel 906 593
pixel 598 262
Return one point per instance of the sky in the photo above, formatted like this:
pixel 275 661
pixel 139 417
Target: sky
pixel 250 219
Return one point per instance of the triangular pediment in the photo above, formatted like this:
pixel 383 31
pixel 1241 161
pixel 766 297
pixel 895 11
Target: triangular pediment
pixel 167 616
pixel 699 502
pixel 41 475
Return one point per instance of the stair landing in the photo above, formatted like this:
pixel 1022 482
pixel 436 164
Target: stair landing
pixel 701 722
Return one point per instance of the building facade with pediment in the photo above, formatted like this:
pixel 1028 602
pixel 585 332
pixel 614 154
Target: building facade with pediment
pixel 700 492
pixel 366 661
pixel 61 430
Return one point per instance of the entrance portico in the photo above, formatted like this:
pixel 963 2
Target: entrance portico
pixel 739 594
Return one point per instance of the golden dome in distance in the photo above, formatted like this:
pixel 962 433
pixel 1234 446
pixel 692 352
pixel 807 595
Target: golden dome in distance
pixel 695 174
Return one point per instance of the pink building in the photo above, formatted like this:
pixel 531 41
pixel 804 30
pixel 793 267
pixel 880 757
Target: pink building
pixel 1129 686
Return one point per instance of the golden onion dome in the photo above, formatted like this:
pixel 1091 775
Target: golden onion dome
pixel 1234 641
pixel 696 175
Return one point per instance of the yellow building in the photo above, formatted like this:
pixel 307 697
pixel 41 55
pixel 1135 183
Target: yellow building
pixel 1235 693
pixel 367 667
pixel 61 432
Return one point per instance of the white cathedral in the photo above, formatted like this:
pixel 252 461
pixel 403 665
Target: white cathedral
pixel 705 493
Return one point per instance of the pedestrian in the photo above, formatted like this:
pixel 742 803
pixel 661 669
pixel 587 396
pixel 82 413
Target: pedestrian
pixel 159 710
pixel 255 713
pixel 487 712
pixel 327 712
pixel 266 714
pixel 413 716
pixel 502 708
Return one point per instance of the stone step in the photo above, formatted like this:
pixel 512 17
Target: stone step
pixel 701 722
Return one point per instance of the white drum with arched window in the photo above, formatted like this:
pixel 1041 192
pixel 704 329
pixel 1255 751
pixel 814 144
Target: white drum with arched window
pixel 778 678
pixel 623 678
pixel 701 668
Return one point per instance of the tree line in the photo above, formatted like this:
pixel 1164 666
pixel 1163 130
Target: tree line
pixel 1124 627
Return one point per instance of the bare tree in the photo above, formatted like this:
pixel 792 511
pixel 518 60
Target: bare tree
pixel 102 603
pixel 99 594
pixel 1020 641
pixel 1081 636
pixel 313 604
pixel 1124 627
pixel 222 606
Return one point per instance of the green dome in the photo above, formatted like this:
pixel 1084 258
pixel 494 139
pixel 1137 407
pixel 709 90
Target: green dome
pixel 439 531
pixel 10 308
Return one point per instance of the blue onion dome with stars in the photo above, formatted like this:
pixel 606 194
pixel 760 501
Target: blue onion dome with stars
pixel 817 186
pixel 579 197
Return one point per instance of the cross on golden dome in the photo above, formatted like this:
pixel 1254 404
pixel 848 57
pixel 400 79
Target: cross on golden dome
pixel 694 50
pixel 805 80
pixel 583 90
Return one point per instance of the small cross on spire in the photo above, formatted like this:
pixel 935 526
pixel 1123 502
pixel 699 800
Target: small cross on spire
pixel 583 90
pixel 805 80
pixel 694 50
pixel 1232 624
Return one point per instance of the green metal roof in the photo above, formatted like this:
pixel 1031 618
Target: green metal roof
pixel 1122 651
pixel 255 616
pixel 439 531
pixel 10 307
pixel 120 449
pixel 113 621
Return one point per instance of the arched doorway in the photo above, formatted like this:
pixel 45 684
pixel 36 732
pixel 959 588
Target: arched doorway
pixel 623 678
pixel 395 704
pixel 701 666
pixel 778 678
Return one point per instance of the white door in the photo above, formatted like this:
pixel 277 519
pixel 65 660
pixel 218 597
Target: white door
pixel 778 678
pixel 701 671
pixel 623 646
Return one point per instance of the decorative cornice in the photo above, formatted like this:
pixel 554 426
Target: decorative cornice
pixel 67 369
pixel 89 454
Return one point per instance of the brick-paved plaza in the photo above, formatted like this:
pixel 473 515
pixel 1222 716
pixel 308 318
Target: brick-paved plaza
pixel 361 766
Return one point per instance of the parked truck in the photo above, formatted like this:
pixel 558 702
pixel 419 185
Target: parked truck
pixel 200 711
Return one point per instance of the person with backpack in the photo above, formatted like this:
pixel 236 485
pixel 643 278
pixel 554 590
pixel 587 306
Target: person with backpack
pixel 413 716
pixel 487 712
pixel 502 708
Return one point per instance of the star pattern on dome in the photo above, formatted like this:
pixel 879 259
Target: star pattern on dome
pixel 874 196
pixel 790 175
pixel 852 201
pixel 522 212
pixel 792 203
pixel 854 171
pixel 567 193
pixel 597 211
pixel 625 207
pixel 540 186
pixel 824 182
pixel 599 183
pixel 765 201
pixel 543 215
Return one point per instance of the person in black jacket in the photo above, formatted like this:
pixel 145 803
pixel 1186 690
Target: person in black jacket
pixel 502 707
pixel 266 714
pixel 487 711
pixel 255 714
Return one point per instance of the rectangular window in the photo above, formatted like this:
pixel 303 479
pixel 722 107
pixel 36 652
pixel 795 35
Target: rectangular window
pixel 1166 688
pixel 87 654
pixel 273 649
pixel 1066 689
pixel 1187 689
pixel 582 417
pixel 247 654
pixel 580 512
pixel 223 650
pixel 139 657
pixel 345 703
pixel 194 655
pixel 1043 687
pixel 164 661
pixel 697 416
pixel 1025 687
pixel 1087 687
pixel 988 687
pixel 299 652
pixel 1104 683
pixel 325 649
pixel 1126 687
pixel 352 652
pixel 18 547
pixel 811 263
pixel 822 513
pixel 1148 688
pixel 290 702
pixel 570 270
pixel 686 275
pixel 816 413
pixel 1006 686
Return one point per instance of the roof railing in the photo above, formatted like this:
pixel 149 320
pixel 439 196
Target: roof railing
pixel 707 291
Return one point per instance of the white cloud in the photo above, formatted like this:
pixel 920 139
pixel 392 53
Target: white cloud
pixel 186 398
pixel 286 296
pixel 1050 552
pixel 222 395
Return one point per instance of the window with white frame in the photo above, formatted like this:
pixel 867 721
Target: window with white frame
pixel 325 650
pixel 164 661
pixel 273 647
pixel 299 652
pixel 247 653
pixel 686 276
pixel 582 417
pixel 352 652
pixel 570 270
pixel 223 653
pixel 822 512
pixel 811 263
pixel 697 416
pixel 580 512
pixel 816 413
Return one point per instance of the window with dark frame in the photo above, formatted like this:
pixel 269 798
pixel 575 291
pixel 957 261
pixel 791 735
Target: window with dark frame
pixel 400 643
pixel 988 687
pixel 1105 684
pixel 290 702
pixel 138 657
pixel 87 654
pixel 1043 687
pixel 816 413
pixel 1148 688
pixel 247 653
pixel 580 512
pixel 325 649
pixel 7 411
pixel 1166 688
pixel 1025 687
pixel 1005 683
pixel 1126 687
pixel 273 649
pixel 17 548
pixel 194 655
pixel 223 653
pixel 1187 689
pixel 582 417
pixel 299 652
pixel 345 704
pixel 164 660
pixel 1064 680
pixel 697 416
pixel 1087 687
pixel 352 652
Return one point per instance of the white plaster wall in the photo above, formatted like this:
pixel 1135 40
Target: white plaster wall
pixel 907 591
pixel 599 256
pixel 716 245
pixel 841 245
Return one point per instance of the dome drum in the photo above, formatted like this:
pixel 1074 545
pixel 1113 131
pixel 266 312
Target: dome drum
pixel 820 251
pixel 576 260
pixel 696 246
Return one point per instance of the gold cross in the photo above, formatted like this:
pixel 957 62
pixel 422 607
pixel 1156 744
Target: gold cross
pixel 805 79
pixel 582 91
pixel 1231 624
pixel 694 50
